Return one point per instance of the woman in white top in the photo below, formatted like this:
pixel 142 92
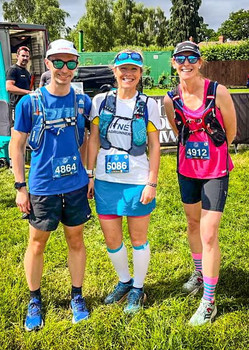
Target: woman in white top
pixel 124 122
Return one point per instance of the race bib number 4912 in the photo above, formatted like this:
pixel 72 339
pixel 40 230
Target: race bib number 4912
pixel 197 150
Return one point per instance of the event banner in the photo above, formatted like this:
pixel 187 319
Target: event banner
pixel 167 136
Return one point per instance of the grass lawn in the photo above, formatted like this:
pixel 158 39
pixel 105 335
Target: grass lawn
pixel 163 324
pixel 161 92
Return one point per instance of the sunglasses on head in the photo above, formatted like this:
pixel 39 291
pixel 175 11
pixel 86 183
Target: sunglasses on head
pixel 191 59
pixel 59 64
pixel 135 56
pixel 24 48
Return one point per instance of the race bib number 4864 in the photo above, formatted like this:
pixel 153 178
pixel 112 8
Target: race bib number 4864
pixel 117 163
pixel 64 166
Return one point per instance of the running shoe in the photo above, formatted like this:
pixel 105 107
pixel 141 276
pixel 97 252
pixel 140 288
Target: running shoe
pixel 119 293
pixel 79 309
pixel 34 320
pixel 136 299
pixel 194 284
pixel 205 313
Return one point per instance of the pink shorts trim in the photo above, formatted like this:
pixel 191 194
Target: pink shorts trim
pixel 108 217
pixel 112 217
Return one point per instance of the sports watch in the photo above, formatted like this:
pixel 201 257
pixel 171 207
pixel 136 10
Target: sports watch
pixel 19 185
pixel 90 172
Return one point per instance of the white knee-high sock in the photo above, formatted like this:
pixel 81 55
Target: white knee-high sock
pixel 120 262
pixel 141 259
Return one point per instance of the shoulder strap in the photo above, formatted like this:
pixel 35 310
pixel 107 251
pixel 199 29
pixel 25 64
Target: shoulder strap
pixel 109 102
pixel 175 97
pixel 211 94
pixel 37 103
pixel 141 107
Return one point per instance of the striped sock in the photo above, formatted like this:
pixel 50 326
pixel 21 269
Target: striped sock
pixel 197 257
pixel 209 287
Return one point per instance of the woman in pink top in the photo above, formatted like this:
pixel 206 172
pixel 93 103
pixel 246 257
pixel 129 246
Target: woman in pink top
pixel 202 114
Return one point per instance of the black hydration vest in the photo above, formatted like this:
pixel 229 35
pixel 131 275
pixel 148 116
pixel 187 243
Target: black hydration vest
pixel 207 122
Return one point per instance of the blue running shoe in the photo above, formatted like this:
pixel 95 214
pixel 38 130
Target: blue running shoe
pixel 119 293
pixel 136 299
pixel 79 309
pixel 34 320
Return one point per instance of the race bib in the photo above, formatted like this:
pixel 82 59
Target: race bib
pixel 65 166
pixel 197 150
pixel 117 163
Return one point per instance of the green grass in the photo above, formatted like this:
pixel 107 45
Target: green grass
pixel 161 92
pixel 163 324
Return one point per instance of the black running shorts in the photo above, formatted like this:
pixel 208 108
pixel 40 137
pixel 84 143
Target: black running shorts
pixel 72 209
pixel 211 192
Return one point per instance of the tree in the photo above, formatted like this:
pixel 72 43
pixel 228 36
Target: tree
pixel 138 25
pixel 157 27
pixel 184 21
pixel 122 21
pixel 236 27
pixel 207 34
pixel 97 25
pixel 45 12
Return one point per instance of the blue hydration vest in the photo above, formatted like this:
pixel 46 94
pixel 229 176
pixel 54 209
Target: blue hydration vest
pixel 40 123
pixel 139 121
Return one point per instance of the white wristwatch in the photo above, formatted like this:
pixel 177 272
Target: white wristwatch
pixel 90 172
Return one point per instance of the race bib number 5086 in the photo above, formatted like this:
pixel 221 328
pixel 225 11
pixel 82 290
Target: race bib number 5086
pixel 117 163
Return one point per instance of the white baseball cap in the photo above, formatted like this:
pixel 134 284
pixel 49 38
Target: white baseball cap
pixel 61 46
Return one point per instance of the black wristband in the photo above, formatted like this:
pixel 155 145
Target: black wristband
pixel 18 185
pixel 152 184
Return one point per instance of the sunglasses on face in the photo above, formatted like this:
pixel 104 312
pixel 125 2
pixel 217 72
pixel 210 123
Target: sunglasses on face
pixel 135 56
pixel 59 64
pixel 181 59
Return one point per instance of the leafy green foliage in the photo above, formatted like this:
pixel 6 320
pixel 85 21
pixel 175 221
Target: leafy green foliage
pixel 236 27
pixel 45 12
pixel 163 324
pixel 97 25
pixel 111 23
pixel 226 52
pixel 207 34
pixel 185 21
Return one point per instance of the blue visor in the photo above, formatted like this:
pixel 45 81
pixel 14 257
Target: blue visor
pixel 128 58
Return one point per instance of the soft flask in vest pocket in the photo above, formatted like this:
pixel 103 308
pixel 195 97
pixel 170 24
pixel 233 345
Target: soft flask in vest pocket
pixel 36 135
pixel 105 120
pixel 138 131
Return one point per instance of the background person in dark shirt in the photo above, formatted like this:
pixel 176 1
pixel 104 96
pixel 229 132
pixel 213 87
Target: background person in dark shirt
pixel 18 81
pixel 18 78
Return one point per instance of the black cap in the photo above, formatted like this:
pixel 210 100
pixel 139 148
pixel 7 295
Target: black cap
pixel 187 46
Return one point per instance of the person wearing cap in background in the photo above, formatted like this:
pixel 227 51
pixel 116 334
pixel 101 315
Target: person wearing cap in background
pixel 126 180
pixel 18 80
pixel 202 114
pixel 54 116
pixel 45 78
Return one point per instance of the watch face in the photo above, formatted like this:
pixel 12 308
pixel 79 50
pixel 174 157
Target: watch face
pixel 19 185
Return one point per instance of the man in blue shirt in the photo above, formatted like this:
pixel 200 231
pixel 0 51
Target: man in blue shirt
pixel 54 118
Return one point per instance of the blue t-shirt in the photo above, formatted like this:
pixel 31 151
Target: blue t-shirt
pixel 56 165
